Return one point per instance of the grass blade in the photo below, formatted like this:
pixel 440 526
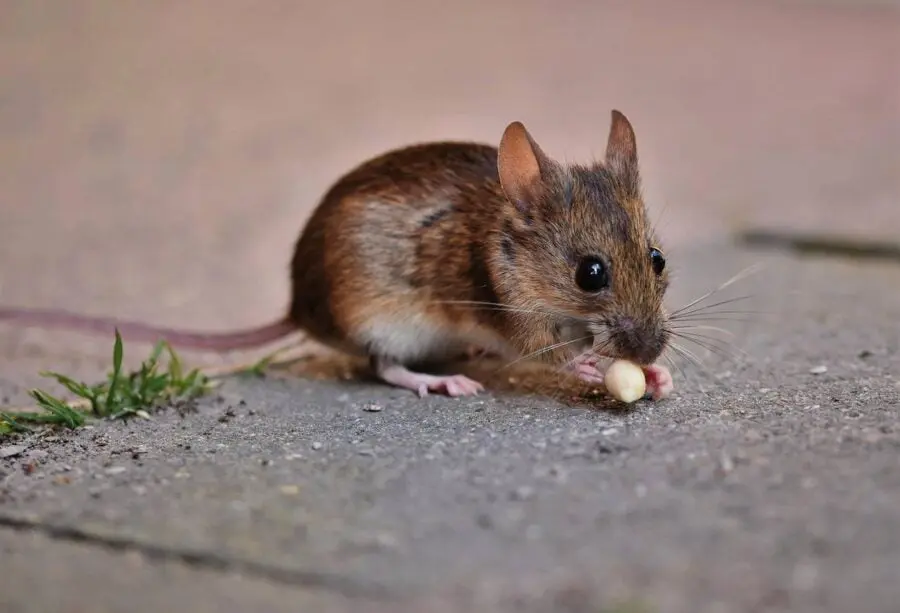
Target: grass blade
pixel 9 423
pixel 117 369
pixel 64 414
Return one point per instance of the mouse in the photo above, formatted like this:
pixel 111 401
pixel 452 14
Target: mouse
pixel 440 249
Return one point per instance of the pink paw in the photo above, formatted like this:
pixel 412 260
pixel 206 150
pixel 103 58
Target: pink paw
pixel 659 381
pixel 452 385
pixel 585 368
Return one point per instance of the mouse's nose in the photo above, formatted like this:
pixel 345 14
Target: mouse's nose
pixel 638 341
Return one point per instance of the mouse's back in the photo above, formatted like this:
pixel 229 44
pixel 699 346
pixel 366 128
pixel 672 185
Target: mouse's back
pixel 390 242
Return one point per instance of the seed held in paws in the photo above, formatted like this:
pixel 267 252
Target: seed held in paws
pixel 625 381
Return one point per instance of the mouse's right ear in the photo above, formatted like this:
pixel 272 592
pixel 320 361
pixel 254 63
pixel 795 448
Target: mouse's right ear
pixel 519 165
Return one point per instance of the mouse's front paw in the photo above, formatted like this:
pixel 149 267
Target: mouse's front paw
pixel 659 381
pixel 585 368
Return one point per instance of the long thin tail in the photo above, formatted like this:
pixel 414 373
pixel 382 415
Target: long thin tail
pixel 140 332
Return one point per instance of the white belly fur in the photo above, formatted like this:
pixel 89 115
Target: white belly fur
pixel 420 339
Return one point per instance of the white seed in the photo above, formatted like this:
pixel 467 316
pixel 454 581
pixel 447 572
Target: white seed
pixel 625 381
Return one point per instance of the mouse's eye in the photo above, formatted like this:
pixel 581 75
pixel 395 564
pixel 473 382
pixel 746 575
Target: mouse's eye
pixel 591 275
pixel 658 261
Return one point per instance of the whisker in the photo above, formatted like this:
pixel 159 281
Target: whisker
pixel 675 365
pixel 728 318
pixel 707 313
pixel 687 352
pixel 711 328
pixel 735 278
pixel 736 315
pixel 712 313
pixel 692 358
pixel 599 347
pixel 546 349
pixel 715 339
pixel 714 345
pixel 700 309
pixel 597 350
pixel 494 306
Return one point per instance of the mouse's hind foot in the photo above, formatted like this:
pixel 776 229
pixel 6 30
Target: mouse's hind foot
pixel 396 374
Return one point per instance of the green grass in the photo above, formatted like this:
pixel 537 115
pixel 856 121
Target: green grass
pixel 10 425
pixel 123 394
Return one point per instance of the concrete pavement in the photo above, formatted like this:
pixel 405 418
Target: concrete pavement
pixel 157 160
pixel 760 487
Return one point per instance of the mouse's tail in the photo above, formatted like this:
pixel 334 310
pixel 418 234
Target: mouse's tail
pixel 140 332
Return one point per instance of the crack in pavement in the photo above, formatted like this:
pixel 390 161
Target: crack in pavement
pixel 341 585
pixel 821 244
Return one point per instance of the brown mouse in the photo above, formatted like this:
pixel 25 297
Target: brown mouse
pixel 424 252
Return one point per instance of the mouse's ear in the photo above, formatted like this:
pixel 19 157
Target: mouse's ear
pixel 519 164
pixel 621 149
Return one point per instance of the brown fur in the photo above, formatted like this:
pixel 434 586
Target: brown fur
pixel 402 238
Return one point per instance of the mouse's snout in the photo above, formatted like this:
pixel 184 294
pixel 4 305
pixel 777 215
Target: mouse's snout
pixel 636 340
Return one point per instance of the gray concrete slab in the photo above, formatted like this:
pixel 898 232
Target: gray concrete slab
pixel 41 573
pixel 157 161
pixel 760 486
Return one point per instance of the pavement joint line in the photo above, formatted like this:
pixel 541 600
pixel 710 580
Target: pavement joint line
pixel 203 559
pixel 832 245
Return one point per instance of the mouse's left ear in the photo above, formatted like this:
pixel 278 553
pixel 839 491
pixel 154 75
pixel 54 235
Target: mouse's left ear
pixel 519 165
pixel 621 149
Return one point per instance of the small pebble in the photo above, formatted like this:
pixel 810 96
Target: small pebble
pixel 115 470
pixel 317 445
pixel 11 451
pixel 372 407
pixel 290 490
pixel 484 521
pixel 818 370
pixel 726 463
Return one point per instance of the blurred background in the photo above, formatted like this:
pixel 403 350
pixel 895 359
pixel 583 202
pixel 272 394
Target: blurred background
pixel 158 159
